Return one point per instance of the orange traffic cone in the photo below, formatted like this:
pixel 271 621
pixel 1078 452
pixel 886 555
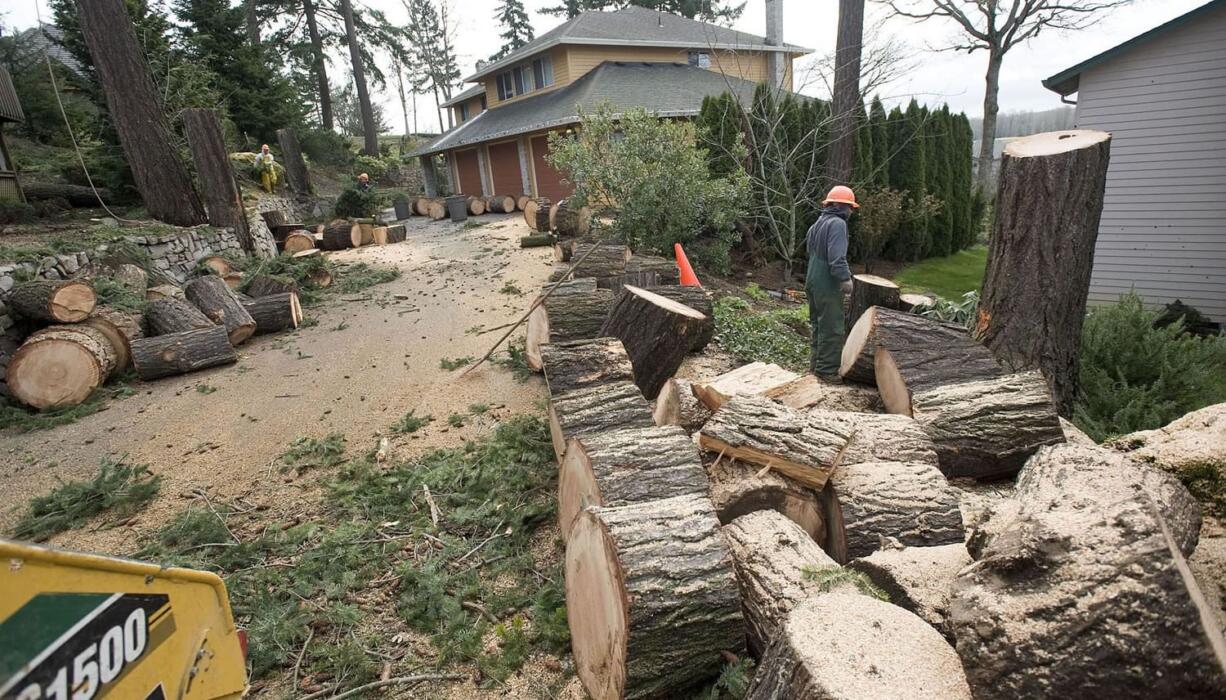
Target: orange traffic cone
pixel 688 278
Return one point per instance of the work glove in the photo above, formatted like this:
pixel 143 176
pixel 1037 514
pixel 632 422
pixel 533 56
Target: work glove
pixel 846 286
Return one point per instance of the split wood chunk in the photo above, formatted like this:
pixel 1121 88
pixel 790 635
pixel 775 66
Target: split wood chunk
pixel 621 467
pixel 581 284
pixel 697 299
pixel 214 298
pixel 298 242
pixel 657 333
pixel 846 646
pixel 275 312
pixel 67 301
pixel 928 353
pixel 570 221
pixel 590 411
pixel 869 291
pixel 341 234
pixel 522 201
pixel 536 214
pixel 677 405
pixel 579 364
pixel 60 366
pixel 759 431
pixel 915 303
pixel 180 353
pixel 575 311
pixel 164 291
pixel 378 235
pixel 880 503
pixel 738 489
pixel 397 233
pixel 500 204
pixel 606 260
pixel 875 437
pixel 262 285
pixel 987 429
pixel 651 598
pixel 919 579
pixel 132 276
pixel 812 394
pixel 752 379
pixel 120 328
pixel 168 315
pixel 771 554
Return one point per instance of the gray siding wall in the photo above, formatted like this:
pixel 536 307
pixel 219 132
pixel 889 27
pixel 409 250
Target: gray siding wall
pixel 1163 230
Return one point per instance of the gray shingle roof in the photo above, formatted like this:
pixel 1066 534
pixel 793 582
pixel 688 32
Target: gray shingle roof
pixel 466 95
pixel 636 26
pixel 667 89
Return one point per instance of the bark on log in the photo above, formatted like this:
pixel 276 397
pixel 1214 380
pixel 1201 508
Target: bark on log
pixel 570 313
pixel 697 299
pixel 738 488
pixel 931 353
pixel 60 366
pixel 397 233
pixel 76 195
pixel 132 276
pixel 120 329
pixel 164 291
pixel 749 380
pixel 276 312
pixel 180 353
pixel 622 467
pixel 218 188
pixel 298 242
pixel 657 333
pixel 607 260
pixel 274 218
pixel 651 598
pixel 296 172
pixel 536 214
pixel 808 393
pixel 540 241
pixel 846 646
pixel 572 222
pixel 873 437
pixel 869 291
pixel 500 204
pixel 580 364
pixel 262 285
pixel 919 579
pixel 759 431
pixel 677 405
pixel 214 298
pixel 771 554
pixel 902 371
pixel 57 301
pixel 166 315
pixel 595 410
pixel 1048 203
pixel 987 429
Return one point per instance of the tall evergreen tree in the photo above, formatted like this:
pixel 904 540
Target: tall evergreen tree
pixel 719 132
pixel 438 70
pixel 908 173
pixel 864 168
pixel 881 143
pixel 517 30
pixel 940 181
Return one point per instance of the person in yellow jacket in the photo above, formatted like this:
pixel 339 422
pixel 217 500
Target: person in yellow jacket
pixel 264 165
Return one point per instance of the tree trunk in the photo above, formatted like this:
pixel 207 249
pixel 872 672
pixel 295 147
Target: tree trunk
pixel 738 488
pixel 319 65
pixel 987 139
pixel 60 366
pixel 298 242
pixel 120 329
pixel 697 299
pixel 987 429
pixel 404 104
pixel 295 167
pixel 876 437
pixel 168 315
pixel 651 598
pixel 580 364
pixel 262 285
pixel 622 467
pixel 218 189
pixel 47 300
pixel 657 333
pixel 214 298
pixel 276 312
pixel 77 195
pixel 180 353
pixel 846 102
pixel 136 113
pixel 253 21
pixel 915 359
pixel 536 213
pixel 522 201
pixel 369 135
pixel 677 405
pixel 572 222
pixel 572 312
pixel 868 291
pixel 596 410
pixel 752 379
pixel 1048 207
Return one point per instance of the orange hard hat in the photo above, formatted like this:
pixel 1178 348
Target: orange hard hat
pixel 843 195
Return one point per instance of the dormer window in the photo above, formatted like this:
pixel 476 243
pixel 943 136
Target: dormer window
pixel 525 78
pixel 701 59
pixel 463 112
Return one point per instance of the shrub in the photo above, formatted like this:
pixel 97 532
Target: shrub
pixel 780 336
pixel 963 313
pixel 326 147
pixel 379 169
pixel 354 203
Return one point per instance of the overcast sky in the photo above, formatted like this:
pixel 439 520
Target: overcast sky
pixel 937 77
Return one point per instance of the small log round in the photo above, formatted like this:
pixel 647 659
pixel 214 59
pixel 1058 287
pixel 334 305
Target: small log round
pixel 275 312
pixel 580 364
pixel 869 291
pixel 168 315
pixel 572 312
pixel 67 301
pixel 596 409
pixel 60 366
pixel 218 303
pixel 522 201
pixel 180 353
pixel 421 205
pixel 120 328
pixel 500 204
pixel 262 285
pixel 536 214
pixel 299 241
pixel 657 333
pixel 476 206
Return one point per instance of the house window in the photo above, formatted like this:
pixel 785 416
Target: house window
pixel 702 59
pixel 483 107
pixel 463 113
pixel 523 81
pixel 542 71
pixel 506 87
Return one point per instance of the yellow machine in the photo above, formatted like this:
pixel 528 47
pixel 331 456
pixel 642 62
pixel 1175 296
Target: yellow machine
pixel 81 626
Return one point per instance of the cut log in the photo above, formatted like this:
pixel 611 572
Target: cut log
pixel 180 353
pixel 298 241
pixel 570 313
pixel 500 204
pixel 771 555
pixel 579 364
pixel 67 301
pixel 931 353
pixel 749 380
pixel 595 410
pixel 421 205
pixel 915 303
pixel 320 277
pixel 757 430
pixel 164 291
pixel 437 210
pixel 657 333
pixel 540 241
pixel 132 276
pixel 276 312
pixel 919 579
pixel 378 235
pixel 120 328
pixel 522 201
pixel 738 488
pixel 606 261
pixel 60 366
pixel 874 437
pixel 622 467
pixel 845 646
pixel 166 315
pixel 916 369
pixel 651 598
pixel 77 195
pixel 677 405
pixel 697 299
pixel 219 304
pixel 869 291
pixel 810 393
pixel 476 206
pixel 570 221
pixel 1036 283
pixel 366 233
pixel 340 235
pixel 397 233
pixel 275 218
pixel 262 285
pixel 987 429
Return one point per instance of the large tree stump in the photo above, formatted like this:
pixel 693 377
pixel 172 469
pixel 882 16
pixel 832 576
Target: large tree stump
pixel 213 297
pixel 928 353
pixel 846 646
pixel 697 299
pixel 341 234
pixel 600 259
pixel 869 291
pixel 651 598
pixel 296 172
pixel 218 188
pixel 275 312
pixel 919 579
pixel 810 393
pixel 987 429
pixel 579 364
pixel 49 300
pixel 657 333
pixel 1048 202
pixel 753 379
pixel 166 315
pixel 621 467
pixel 575 311
pixel 759 431
pixel 536 214
pixel 677 405
pixel 591 411
pixel 120 328
pixel 60 366
pixel 771 554
pixel 738 488
pixel 180 353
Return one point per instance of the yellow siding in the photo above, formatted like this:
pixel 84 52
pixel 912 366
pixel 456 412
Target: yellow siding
pixel 561 78
pixel 474 108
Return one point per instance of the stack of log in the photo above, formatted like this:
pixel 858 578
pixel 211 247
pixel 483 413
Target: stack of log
pixel 436 208
pixel 341 234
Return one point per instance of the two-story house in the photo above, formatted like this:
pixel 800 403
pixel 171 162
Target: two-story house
pixel 633 57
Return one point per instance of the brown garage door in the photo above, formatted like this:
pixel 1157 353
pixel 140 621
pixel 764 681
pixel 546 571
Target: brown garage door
pixel 504 168
pixel 548 181
pixel 470 172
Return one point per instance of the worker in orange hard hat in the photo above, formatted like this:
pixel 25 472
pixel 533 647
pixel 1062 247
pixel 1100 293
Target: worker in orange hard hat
pixel 828 280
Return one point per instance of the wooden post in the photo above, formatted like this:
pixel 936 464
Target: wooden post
pixel 217 185
pixel 295 167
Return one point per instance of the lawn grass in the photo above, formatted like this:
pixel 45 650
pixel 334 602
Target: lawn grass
pixel 948 277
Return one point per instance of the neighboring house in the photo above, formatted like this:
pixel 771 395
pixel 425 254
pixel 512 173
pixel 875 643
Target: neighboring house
pixel 633 57
pixel 1162 96
pixel 10 111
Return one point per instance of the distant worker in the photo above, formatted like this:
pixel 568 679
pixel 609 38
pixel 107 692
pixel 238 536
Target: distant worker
pixel 265 166
pixel 364 182
pixel 828 280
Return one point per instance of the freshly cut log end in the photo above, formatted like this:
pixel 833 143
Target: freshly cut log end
pixel 500 204
pixel 275 312
pixel 812 394
pixel 677 405
pixel 536 214
pixel 928 353
pixel 214 298
pixel 869 291
pixel 657 333
pixel 522 201
pixel 903 371
pixel 621 467
pixel 651 598
pixel 575 311
pixel 697 299
pixel 915 303
pixel 120 329
pixel 590 411
pixel 378 235
pixel 919 579
pixel 738 489
pixel 580 364
pixel 180 353
pixel 170 314
pixel 752 379
pixel 60 366
pixel 56 301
